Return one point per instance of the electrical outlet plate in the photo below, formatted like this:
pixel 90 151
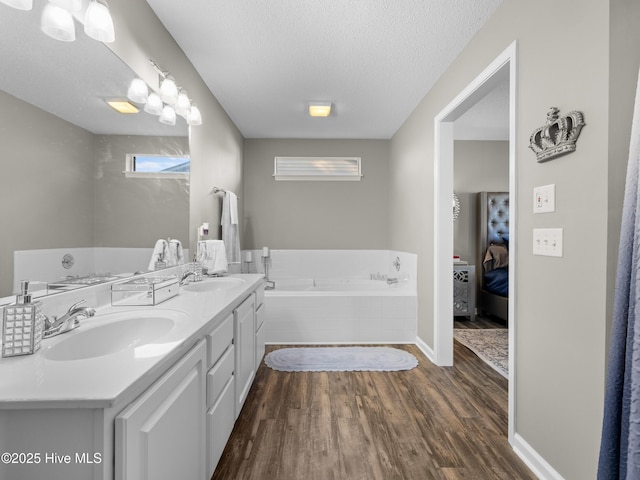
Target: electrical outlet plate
pixel 544 199
pixel 547 242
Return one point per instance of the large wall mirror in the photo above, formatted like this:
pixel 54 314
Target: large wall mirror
pixel 66 204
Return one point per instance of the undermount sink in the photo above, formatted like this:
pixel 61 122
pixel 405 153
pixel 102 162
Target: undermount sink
pixel 213 284
pixel 115 332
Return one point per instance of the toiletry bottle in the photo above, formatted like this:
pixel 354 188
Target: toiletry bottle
pixel 22 326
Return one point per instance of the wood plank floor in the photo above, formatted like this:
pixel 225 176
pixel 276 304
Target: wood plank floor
pixel 427 423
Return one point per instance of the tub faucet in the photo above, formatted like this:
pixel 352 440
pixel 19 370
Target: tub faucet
pixel 392 281
pixel 55 326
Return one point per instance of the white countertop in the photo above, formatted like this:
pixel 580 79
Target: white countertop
pixel 39 381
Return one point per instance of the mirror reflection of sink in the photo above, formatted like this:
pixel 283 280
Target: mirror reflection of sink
pixel 213 284
pixel 115 332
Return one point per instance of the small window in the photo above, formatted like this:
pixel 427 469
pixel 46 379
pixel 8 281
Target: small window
pixel 157 166
pixel 318 168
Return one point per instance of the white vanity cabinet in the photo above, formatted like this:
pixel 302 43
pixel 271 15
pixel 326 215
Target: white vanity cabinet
pixel 220 416
pixel 161 435
pixel 245 350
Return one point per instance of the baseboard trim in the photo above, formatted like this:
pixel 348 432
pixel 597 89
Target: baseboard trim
pixel 426 349
pixel 538 465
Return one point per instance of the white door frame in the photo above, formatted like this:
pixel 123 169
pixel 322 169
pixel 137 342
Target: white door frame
pixel 443 211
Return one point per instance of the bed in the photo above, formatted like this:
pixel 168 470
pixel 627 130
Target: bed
pixel 492 259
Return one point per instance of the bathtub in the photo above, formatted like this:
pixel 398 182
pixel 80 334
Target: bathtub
pixel 340 310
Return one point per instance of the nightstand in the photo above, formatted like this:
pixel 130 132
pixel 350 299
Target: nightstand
pixel 464 291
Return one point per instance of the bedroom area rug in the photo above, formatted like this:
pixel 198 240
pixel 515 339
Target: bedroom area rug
pixel 340 359
pixel 491 345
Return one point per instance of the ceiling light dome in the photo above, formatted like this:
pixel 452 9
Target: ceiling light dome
pixel 57 23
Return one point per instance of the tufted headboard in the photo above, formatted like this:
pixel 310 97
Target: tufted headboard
pixel 493 221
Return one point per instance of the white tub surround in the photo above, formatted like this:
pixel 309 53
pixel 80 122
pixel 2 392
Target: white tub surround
pixel 341 296
pixel 99 409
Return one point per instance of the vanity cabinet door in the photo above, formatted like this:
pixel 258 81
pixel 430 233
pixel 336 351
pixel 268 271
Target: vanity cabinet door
pixel 245 350
pixel 161 435
pixel 260 331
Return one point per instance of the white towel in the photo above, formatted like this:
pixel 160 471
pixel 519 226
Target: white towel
pixel 160 254
pixel 229 209
pixel 229 222
pixel 175 252
pixel 212 256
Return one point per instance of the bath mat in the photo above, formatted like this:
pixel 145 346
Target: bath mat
pixel 490 344
pixel 340 359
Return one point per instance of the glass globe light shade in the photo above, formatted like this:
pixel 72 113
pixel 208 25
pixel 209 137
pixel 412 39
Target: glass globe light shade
pixel 153 105
pixel 168 91
pixel 168 115
pixel 98 23
pixel 194 118
pixel 183 105
pixel 57 23
pixel 138 91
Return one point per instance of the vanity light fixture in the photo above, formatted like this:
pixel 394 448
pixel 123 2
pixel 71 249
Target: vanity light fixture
pixel 167 101
pixel 57 21
pixel 98 23
pixel 123 106
pixel 19 4
pixel 320 109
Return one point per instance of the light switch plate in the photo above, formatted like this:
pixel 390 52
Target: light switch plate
pixel 547 242
pixel 544 199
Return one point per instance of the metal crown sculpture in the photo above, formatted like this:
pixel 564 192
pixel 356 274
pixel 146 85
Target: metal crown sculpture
pixel 559 135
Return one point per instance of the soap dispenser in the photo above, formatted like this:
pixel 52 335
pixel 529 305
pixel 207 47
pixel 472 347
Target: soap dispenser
pixel 22 325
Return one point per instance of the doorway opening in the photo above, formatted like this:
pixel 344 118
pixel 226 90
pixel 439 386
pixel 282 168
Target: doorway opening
pixel 503 66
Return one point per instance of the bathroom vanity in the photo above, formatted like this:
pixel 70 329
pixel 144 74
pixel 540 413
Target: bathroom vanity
pixel 135 392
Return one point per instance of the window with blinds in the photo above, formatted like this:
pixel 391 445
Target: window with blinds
pixel 318 168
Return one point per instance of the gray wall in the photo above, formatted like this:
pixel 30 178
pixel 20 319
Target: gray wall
pixel 478 166
pixel 316 215
pixel 135 212
pixel 46 185
pixel 562 305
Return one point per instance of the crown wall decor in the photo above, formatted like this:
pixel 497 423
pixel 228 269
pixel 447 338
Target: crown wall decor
pixel 559 135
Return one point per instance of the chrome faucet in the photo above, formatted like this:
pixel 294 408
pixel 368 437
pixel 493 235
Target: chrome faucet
pixel 185 276
pixel 55 326
pixel 392 280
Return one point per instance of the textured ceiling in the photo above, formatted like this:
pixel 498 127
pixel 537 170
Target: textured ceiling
pixel 373 59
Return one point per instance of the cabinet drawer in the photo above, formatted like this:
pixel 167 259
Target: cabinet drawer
pixel 219 340
pixel 220 420
pixel 218 376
